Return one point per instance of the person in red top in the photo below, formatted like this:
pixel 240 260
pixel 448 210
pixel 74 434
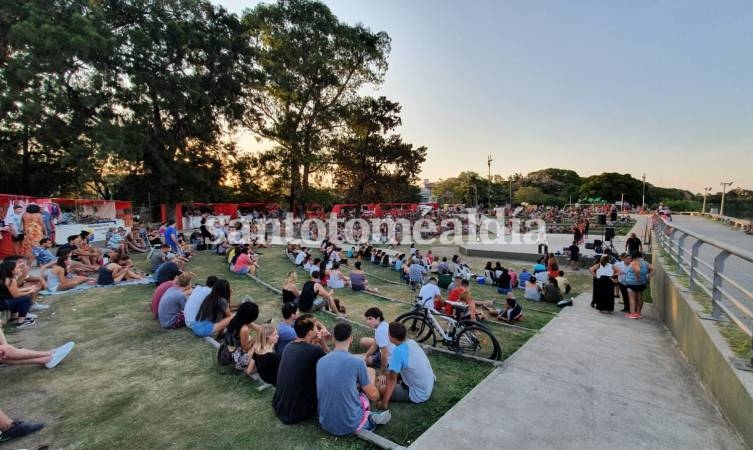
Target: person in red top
pixel 159 292
pixel 454 294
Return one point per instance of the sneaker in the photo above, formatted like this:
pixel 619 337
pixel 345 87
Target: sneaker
pixel 38 307
pixel 382 418
pixel 637 316
pixel 31 316
pixel 59 354
pixel 28 323
pixel 20 429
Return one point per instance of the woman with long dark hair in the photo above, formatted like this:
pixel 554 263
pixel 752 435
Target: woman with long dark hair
pixel 10 298
pixel 214 314
pixel 603 292
pixel 238 335
pixel 56 273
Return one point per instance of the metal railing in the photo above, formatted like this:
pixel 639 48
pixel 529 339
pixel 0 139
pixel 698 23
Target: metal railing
pixel 705 261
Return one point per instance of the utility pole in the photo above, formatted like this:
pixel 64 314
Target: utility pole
pixel 489 175
pixel 643 201
pixel 706 191
pixel 724 190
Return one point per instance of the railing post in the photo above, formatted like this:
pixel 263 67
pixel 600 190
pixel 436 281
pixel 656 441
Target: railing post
pixel 716 298
pixel 671 236
pixel 680 248
pixel 694 262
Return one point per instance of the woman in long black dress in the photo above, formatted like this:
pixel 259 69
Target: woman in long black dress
pixel 603 288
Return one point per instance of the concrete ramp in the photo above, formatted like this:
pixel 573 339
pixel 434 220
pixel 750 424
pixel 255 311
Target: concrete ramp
pixel 589 381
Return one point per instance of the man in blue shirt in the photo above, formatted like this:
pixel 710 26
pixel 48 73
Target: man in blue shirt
pixel 411 378
pixel 42 252
pixel 285 332
pixel 171 236
pixel 339 375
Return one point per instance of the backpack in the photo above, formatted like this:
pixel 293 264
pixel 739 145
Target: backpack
pixel 227 349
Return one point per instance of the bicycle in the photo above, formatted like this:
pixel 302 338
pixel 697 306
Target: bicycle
pixel 461 336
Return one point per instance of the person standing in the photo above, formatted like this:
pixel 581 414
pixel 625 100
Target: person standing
pixel 621 267
pixel 33 227
pixel 574 256
pixel 633 244
pixel 638 274
pixel 603 293
pixel 15 223
pixel 339 375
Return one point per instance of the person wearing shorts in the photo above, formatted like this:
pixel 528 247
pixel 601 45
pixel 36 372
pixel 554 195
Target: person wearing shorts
pixel 411 378
pixel 342 410
pixel 639 272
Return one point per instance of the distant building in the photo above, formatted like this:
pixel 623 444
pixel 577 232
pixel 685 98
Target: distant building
pixel 427 194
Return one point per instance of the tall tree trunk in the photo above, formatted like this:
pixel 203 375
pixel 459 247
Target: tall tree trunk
pixel 25 163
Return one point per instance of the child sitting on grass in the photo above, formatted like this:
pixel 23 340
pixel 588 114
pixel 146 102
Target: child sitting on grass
pixel 512 312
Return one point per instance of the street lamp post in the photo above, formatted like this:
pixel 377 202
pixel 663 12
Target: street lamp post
pixel 643 200
pixel 510 193
pixel 705 193
pixel 724 190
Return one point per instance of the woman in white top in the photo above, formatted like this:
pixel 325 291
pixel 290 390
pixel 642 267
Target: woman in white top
pixel 532 290
pixel 336 278
pixel 603 287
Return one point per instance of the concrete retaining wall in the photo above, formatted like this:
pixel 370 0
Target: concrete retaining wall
pixel 705 348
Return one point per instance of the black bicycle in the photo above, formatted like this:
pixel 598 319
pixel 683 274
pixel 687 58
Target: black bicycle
pixel 426 325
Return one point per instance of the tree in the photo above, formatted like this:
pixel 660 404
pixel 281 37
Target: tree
pixel 611 187
pixel 372 165
pixel 310 68
pixel 176 79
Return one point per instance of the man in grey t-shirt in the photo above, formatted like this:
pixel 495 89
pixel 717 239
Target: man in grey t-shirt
pixel 170 312
pixel 416 377
pixel 342 410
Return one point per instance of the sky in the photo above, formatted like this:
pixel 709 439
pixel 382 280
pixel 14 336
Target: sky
pixel 661 88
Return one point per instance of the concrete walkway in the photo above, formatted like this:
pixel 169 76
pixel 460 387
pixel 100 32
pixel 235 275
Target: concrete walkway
pixel 588 381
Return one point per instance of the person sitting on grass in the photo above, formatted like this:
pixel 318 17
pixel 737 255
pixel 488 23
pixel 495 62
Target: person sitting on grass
pixel 290 292
pixel 85 252
pixel 243 264
pixel 336 278
pixel 42 252
pixel 512 312
pixel 358 281
pixel 429 293
pixel 295 397
pixel 172 303
pixel 120 269
pixel 238 335
pixel 313 295
pixel 159 292
pixel 196 298
pixel 467 310
pixel 532 290
pixel 10 297
pixel 57 276
pixel 20 356
pixel 285 332
pixel 167 271
pixel 264 360
pixel 10 429
pixel 135 242
pixel 117 241
pixel 214 313
pixel 551 291
pixel 339 376
pixel 379 348
pixel 411 378
pixel 563 282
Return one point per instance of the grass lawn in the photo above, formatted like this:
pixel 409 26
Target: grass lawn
pixel 129 384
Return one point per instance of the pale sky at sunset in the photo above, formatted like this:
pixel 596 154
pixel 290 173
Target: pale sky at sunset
pixel 661 87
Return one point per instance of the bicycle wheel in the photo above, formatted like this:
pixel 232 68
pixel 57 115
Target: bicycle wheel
pixel 477 341
pixel 417 327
